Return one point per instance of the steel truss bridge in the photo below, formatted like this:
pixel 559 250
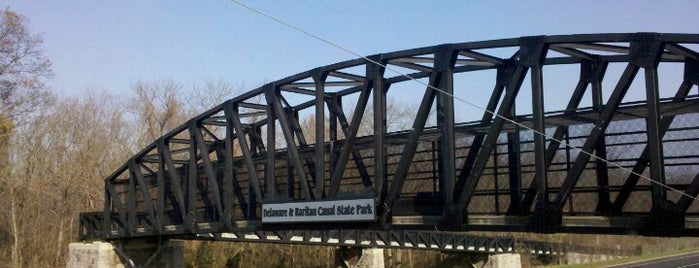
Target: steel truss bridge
pixel 627 98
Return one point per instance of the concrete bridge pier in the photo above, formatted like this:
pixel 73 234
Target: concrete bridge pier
pixel 503 260
pixel 130 253
pixel 482 260
pixel 354 257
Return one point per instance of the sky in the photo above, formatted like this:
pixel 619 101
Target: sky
pixel 111 45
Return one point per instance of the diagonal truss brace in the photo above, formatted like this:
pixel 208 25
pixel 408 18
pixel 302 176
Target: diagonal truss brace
pixel 440 78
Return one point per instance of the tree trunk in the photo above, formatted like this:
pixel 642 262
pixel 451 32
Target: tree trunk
pixel 60 241
pixel 16 255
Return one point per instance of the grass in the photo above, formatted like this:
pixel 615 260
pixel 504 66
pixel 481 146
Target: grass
pixel 631 259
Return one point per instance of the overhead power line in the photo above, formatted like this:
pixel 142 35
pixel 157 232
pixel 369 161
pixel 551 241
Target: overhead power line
pixel 340 47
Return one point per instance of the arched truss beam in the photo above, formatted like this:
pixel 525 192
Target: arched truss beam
pixel 214 171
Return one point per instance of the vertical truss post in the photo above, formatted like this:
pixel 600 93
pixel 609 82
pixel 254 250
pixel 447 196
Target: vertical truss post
pixel 532 54
pixel 333 101
pixel 514 169
pixel 228 174
pixel 319 79
pixel 496 182
pixel 435 175
pixel 601 168
pixel 539 137
pixel 571 207
pixel 645 52
pixel 192 185
pixel 131 209
pixel 445 58
pixel 290 180
pixel 160 200
pixel 107 211
pixel 374 76
pixel 290 187
pixel 270 191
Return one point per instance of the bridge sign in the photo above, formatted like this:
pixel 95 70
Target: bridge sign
pixel 320 211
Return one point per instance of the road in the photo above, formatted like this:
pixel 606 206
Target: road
pixel 677 261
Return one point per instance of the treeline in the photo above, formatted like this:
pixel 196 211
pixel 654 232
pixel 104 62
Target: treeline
pixel 60 153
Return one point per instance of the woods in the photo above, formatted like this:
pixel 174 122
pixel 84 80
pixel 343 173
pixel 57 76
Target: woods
pixel 22 92
pixel 56 150
pixel 58 158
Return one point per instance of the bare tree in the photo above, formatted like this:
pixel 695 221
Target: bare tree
pixel 158 108
pixel 210 93
pixel 22 70
pixel 60 158
pixel 399 116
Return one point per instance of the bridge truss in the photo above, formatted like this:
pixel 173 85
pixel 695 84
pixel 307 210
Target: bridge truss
pixel 627 98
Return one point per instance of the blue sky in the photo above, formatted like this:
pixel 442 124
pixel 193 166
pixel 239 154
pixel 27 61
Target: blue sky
pixel 110 45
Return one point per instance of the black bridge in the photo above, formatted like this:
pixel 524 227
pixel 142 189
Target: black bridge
pixel 627 98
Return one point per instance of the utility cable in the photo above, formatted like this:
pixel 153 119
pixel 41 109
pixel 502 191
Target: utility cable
pixel 333 44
